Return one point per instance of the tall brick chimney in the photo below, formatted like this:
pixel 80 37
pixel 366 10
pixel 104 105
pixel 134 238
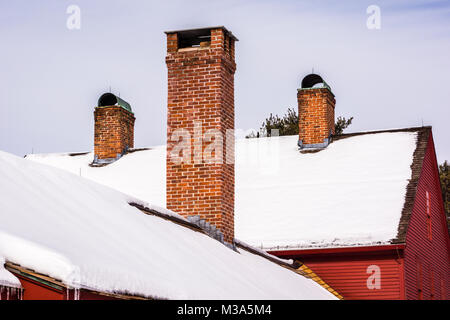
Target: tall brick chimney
pixel 201 69
pixel 114 128
pixel 315 112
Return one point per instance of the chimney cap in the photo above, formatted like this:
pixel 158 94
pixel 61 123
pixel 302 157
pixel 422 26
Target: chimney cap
pixel 201 30
pixel 311 80
pixel 110 99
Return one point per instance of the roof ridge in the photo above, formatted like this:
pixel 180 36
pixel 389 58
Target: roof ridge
pixel 408 129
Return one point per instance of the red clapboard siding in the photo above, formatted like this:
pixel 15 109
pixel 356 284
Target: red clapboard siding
pixel 348 275
pixel 427 259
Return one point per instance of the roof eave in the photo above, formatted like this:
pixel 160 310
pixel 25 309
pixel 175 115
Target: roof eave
pixel 339 250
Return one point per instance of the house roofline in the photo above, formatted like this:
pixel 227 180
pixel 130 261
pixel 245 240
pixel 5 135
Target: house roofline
pixel 423 138
pixel 408 129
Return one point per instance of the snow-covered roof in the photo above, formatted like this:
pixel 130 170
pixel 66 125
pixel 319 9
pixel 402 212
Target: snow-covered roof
pixel 351 193
pixel 88 236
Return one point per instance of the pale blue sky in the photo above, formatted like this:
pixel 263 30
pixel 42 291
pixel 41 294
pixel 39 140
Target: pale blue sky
pixel 51 77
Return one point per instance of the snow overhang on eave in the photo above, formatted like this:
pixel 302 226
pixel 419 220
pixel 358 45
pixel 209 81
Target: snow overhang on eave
pixel 55 284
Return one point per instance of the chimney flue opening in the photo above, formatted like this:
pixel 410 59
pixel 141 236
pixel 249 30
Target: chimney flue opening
pixel 311 81
pixel 107 99
pixel 194 38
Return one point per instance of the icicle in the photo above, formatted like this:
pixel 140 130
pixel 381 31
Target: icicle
pixel 7 293
pixel 76 294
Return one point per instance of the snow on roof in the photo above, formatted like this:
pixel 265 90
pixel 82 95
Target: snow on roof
pixel 142 175
pixel 7 279
pixel 88 236
pixel 351 193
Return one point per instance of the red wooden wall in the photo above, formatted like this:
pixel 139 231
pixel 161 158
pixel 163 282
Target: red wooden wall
pixel 427 259
pixel 348 275
pixel 347 270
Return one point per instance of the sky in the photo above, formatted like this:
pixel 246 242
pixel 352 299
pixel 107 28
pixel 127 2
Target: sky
pixel 51 76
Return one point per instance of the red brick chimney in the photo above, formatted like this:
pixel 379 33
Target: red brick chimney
pixel 114 128
pixel 315 112
pixel 201 70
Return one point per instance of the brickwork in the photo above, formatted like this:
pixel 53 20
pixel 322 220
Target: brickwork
pixel 316 114
pixel 201 92
pixel 114 131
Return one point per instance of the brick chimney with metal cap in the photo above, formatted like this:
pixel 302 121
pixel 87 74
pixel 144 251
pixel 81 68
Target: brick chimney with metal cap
pixel 315 112
pixel 201 69
pixel 114 129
